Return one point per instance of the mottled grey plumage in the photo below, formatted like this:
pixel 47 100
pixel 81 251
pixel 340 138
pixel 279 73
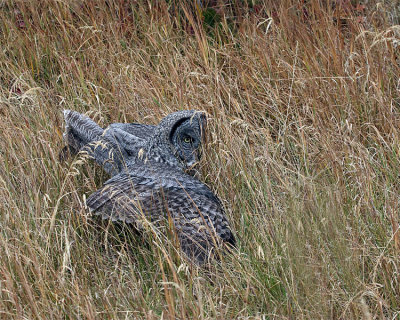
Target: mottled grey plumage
pixel 139 130
pixel 149 181
pixel 153 191
pixel 168 143
pixel 109 147
pixel 120 143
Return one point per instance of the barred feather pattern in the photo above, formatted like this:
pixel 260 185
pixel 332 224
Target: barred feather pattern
pixel 154 191
pixel 110 147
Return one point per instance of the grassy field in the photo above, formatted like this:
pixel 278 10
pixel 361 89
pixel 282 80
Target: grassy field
pixel 303 149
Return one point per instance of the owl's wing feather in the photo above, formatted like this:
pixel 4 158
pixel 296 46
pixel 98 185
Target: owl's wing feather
pixel 142 131
pixel 83 134
pixel 110 147
pixel 131 144
pixel 121 197
pixel 157 190
pixel 83 127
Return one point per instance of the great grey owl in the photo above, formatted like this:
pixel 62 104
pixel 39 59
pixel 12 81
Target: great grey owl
pixel 111 147
pixel 149 182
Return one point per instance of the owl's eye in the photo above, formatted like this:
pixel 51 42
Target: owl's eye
pixel 187 139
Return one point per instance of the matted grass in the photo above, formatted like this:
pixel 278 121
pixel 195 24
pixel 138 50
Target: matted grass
pixel 303 150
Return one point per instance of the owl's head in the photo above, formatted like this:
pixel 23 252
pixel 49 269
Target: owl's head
pixel 186 137
pixel 179 137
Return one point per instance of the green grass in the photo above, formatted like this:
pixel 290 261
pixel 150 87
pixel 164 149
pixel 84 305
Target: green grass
pixel 303 150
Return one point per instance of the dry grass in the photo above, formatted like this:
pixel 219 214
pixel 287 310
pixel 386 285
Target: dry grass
pixel 304 151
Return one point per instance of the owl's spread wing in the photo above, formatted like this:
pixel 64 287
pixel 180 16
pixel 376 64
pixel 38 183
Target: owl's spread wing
pixel 131 144
pixel 83 134
pixel 148 192
pixel 110 147
pixel 83 128
pixel 125 198
pixel 142 131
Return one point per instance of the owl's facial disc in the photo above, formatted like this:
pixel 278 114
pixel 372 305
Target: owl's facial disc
pixel 186 141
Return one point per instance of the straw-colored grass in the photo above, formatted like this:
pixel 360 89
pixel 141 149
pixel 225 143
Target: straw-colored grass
pixel 304 108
